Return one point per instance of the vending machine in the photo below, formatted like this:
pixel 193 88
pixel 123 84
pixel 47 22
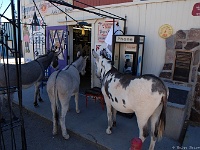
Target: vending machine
pixel 128 53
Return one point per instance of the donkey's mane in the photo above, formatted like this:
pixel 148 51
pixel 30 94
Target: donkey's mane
pixel 40 56
pixel 77 62
pixel 103 54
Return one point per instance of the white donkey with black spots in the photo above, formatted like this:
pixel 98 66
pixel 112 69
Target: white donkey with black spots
pixel 146 96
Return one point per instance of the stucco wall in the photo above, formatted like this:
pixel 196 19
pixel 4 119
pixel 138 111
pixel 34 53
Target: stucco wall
pixel 143 17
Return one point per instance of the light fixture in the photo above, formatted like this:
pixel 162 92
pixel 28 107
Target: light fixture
pixel 82 31
pixel 82 23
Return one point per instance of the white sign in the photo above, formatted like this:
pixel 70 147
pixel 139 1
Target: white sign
pixel 127 39
pixel 45 8
pixel 103 29
pixel 131 47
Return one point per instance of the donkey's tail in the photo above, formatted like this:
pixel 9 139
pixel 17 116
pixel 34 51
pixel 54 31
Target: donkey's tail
pixel 56 105
pixel 56 98
pixel 162 119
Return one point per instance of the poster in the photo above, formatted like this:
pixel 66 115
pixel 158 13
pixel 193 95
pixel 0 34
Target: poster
pixel 103 29
pixel 33 36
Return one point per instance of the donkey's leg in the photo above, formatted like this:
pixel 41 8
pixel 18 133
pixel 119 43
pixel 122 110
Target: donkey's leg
pixel 142 120
pixel 109 115
pixel 154 126
pixel 39 96
pixel 114 112
pixel 55 114
pixel 54 108
pixel 64 106
pixel 37 84
pixel 76 101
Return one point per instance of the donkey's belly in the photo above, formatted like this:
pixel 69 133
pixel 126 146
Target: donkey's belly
pixel 26 86
pixel 121 107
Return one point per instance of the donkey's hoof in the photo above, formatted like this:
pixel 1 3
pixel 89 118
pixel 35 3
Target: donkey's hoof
pixel 54 132
pixel 78 111
pixel 108 131
pixel 114 123
pixel 36 104
pixel 66 137
pixel 40 99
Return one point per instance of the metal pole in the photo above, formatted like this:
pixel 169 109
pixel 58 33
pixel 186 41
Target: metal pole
pixel 17 43
pixel 125 25
pixel 113 46
pixel 6 9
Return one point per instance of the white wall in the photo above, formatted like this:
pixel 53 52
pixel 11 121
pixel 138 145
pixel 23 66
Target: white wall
pixel 148 19
pixel 145 18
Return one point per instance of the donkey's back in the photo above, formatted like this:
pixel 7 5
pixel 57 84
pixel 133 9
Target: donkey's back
pixel 128 94
pixel 67 82
pixel 30 73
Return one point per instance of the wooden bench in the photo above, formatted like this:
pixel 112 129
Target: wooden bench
pixel 95 93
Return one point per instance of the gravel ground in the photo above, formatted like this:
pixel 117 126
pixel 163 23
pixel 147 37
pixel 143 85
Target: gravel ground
pixel 39 136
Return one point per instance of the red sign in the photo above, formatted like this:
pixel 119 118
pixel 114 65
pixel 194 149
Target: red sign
pixel 103 29
pixel 196 9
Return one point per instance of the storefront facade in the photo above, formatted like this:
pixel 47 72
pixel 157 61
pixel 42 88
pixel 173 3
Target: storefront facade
pixel 143 18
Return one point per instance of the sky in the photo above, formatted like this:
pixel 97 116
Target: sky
pixel 4 4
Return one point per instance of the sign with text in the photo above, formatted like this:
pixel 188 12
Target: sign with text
pixel 196 9
pixel 45 8
pixel 182 66
pixel 103 29
pixel 127 39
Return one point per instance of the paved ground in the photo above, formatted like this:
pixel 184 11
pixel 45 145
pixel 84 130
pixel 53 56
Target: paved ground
pixel 39 137
pixel 192 137
pixel 90 125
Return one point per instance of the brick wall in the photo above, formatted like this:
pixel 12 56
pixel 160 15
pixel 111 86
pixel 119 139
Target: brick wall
pixel 188 42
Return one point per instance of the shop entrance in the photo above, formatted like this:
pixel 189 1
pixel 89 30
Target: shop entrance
pixel 82 43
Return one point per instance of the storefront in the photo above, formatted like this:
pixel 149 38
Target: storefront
pixel 142 18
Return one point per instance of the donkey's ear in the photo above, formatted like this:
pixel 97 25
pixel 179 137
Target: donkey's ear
pixel 78 54
pixel 53 48
pixel 96 56
pixel 56 50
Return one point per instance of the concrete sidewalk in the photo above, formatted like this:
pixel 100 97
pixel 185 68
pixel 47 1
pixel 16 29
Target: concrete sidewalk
pixel 192 138
pixel 91 123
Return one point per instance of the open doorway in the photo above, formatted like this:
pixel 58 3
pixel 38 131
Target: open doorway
pixel 82 43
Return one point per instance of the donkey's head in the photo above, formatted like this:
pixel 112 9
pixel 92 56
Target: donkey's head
pixel 54 62
pixel 103 65
pixel 81 62
pixel 84 62
pixel 51 57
